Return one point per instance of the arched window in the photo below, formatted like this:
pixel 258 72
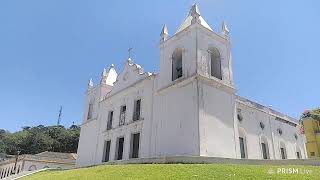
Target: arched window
pixel 264 148
pixel 243 144
pixel 215 61
pixel 283 151
pixel 176 64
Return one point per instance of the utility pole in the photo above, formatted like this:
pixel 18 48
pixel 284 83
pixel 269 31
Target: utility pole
pixel 59 116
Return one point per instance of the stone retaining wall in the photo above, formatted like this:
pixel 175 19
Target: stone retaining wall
pixel 214 160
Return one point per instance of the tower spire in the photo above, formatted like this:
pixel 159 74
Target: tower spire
pixel 90 84
pixel 164 33
pixel 104 76
pixel 193 18
pixel 108 77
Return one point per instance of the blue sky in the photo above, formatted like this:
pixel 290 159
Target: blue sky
pixel 49 49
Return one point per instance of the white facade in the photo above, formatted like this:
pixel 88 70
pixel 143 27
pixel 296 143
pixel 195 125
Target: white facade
pixel 189 108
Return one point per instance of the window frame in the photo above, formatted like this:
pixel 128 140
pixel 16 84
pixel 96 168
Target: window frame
pixel 122 116
pixel 134 154
pixel 177 64
pixel 264 149
pixel 283 151
pixel 242 145
pixel 117 148
pixel 106 156
pixel 136 112
pixel 215 52
pixel 110 119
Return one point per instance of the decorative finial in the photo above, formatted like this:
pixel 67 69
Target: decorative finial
pixel 104 76
pixel 225 29
pixel 130 61
pixel 104 72
pixel 195 13
pixel 90 84
pixel 112 66
pixel 164 33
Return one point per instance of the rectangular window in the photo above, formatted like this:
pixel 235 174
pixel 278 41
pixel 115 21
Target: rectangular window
pixel 312 154
pixel 106 151
pixel 119 150
pixel 135 138
pixel 90 109
pixel 137 110
pixel 242 148
pixel 110 118
pixel 283 153
pixel 123 110
pixel 264 151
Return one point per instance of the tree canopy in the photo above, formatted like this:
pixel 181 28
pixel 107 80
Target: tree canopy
pixel 33 140
pixel 315 114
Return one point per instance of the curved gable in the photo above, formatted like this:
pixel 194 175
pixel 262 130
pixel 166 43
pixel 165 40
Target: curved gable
pixel 131 74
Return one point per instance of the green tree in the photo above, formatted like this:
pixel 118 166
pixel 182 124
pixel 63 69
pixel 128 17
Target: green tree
pixel 315 114
pixel 2 147
pixel 32 140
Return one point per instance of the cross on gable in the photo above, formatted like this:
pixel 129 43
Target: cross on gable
pixel 129 52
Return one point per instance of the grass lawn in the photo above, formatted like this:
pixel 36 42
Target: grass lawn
pixel 181 171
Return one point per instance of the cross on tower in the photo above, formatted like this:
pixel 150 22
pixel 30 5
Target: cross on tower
pixel 129 52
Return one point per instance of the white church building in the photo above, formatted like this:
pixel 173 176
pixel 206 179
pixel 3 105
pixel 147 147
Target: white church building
pixel 189 108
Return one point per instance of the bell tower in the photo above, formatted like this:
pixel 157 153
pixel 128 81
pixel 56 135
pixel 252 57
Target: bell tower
pixel 195 49
pixel 195 95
